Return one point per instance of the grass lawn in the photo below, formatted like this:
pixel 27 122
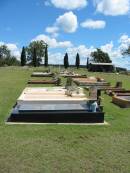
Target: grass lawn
pixel 60 148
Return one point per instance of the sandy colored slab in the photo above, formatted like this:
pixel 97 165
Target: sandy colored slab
pixel 51 94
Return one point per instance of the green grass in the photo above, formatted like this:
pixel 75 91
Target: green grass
pixel 62 149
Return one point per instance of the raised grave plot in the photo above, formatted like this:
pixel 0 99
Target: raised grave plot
pixel 90 82
pixel 42 74
pixel 53 105
pixel 42 82
pixel 122 93
pixel 122 101
pixel 73 75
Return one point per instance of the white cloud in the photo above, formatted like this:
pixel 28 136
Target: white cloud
pixel 83 51
pixel 69 4
pixel 114 53
pixel 67 22
pixel 93 24
pixel 52 29
pixel 52 42
pixel 113 7
pixel 14 49
pixel 56 58
pixel 11 46
pixel 124 39
pixel 124 42
pixel 108 47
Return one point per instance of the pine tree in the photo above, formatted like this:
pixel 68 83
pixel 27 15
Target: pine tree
pixel 77 63
pixel 23 57
pixel 66 62
pixel 34 58
pixel 87 63
pixel 46 56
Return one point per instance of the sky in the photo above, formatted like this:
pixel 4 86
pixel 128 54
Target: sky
pixel 68 26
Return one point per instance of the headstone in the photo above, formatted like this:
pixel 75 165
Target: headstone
pixel 93 93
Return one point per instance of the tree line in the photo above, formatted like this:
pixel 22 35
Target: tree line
pixel 36 51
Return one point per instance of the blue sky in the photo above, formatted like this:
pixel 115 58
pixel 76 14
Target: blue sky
pixel 67 25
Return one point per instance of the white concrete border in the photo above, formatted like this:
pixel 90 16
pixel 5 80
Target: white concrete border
pixel 75 124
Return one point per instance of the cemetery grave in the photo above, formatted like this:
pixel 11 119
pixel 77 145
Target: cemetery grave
pixel 42 74
pixel 55 105
pixel 90 81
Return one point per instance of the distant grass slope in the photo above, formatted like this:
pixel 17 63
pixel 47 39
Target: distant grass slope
pixel 62 149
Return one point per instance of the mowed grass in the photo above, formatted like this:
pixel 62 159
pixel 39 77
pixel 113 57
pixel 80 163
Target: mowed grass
pixel 62 148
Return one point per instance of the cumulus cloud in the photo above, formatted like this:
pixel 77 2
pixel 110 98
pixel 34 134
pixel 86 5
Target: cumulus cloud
pixel 56 58
pixel 83 51
pixel 93 24
pixel 124 42
pixel 67 22
pixel 52 30
pixel 113 7
pixel 52 42
pixel 14 49
pixel 114 53
pixel 108 47
pixel 69 4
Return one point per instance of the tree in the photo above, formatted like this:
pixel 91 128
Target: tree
pixel 40 47
pixel 6 58
pixel 46 56
pixel 66 62
pixel 4 52
pixel 34 58
pixel 100 57
pixel 11 61
pixel 87 63
pixel 77 63
pixel 23 57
